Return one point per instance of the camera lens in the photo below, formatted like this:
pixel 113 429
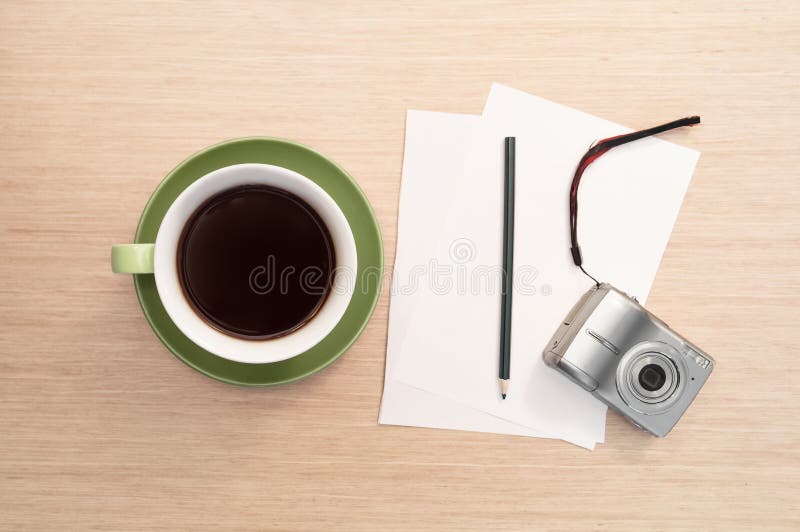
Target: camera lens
pixel 652 377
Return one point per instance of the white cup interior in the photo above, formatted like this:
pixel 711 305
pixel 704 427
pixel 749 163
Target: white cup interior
pixel 208 337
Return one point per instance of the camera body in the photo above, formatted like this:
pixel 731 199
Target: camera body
pixel 629 359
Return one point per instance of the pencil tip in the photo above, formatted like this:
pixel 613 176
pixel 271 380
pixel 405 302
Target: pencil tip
pixel 503 387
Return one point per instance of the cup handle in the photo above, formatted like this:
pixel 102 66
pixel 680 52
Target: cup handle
pixel 132 258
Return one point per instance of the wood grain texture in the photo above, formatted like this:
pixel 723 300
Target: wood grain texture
pixel 101 428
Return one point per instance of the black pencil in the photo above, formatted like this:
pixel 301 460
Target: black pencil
pixel 508 267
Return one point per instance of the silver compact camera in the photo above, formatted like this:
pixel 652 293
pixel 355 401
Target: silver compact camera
pixel 629 359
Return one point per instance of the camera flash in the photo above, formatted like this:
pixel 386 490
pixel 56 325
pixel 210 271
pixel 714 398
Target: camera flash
pixel 701 361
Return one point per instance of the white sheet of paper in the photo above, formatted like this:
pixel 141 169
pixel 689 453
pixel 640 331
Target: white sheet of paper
pixel 629 201
pixel 435 151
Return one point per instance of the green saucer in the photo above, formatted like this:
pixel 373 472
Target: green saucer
pixel 350 199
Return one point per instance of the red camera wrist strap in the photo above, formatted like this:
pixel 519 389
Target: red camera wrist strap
pixel 592 155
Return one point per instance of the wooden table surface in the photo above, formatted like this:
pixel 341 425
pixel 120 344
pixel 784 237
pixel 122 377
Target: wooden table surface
pixel 102 428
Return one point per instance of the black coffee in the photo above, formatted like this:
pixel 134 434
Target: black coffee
pixel 256 262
